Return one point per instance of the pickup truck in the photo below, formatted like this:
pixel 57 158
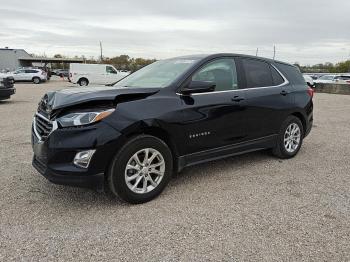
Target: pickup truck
pixel 7 88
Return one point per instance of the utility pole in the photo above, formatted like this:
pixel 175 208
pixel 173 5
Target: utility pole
pixel 257 51
pixel 274 52
pixel 101 56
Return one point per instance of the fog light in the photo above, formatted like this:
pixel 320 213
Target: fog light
pixel 82 159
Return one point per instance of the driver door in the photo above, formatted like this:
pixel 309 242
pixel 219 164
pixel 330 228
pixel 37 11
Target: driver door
pixel 111 75
pixel 19 75
pixel 215 119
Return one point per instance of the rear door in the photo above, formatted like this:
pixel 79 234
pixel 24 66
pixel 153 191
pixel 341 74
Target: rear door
pixel 215 119
pixel 30 73
pixel 268 98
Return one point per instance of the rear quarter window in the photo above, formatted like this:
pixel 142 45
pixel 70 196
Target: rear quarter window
pixel 292 73
pixel 276 77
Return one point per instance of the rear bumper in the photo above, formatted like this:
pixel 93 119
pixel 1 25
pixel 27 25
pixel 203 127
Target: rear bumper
pixel 308 128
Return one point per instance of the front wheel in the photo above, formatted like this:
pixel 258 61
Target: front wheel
pixel 290 138
pixel 141 169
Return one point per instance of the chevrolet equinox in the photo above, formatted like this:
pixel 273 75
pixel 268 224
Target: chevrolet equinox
pixel 129 138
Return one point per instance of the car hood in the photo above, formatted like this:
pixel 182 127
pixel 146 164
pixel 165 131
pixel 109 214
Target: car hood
pixel 68 97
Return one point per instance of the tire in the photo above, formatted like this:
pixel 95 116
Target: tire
pixel 286 150
pixel 36 80
pixel 83 82
pixel 140 175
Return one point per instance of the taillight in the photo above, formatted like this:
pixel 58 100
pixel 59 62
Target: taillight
pixel 311 92
pixel 348 81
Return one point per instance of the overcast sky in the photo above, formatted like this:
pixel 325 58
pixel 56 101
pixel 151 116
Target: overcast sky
pixel 305 31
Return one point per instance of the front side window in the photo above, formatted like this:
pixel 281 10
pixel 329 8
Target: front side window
pixel 159 74
pixel 221 71
pixel 110 70
pixel 257 73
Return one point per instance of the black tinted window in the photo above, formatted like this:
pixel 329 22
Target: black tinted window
pixel 276 77
pixel 221 71
pixel 257 73
pixel 292 73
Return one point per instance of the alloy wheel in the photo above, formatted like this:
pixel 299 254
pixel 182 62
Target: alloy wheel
pixel 292 138
pixel 144 170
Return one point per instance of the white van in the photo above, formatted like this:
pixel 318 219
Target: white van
pixel 100 74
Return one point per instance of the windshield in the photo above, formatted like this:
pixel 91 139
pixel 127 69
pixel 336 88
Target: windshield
pixel 327 77
pixel 158 74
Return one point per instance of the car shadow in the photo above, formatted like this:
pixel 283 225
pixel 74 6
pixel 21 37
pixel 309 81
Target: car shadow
pixel 82 197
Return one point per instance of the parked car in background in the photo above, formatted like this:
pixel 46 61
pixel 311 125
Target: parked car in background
pixel 342 79
pixel 62 72
pixel 34 75
pixel 309 80
pixel 325 79
pixel 333 79
pixel 100 74
pixel 169 115
pixel 7 88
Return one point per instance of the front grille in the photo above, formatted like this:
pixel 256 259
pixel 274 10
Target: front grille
pixel 7 82
pixel 43 126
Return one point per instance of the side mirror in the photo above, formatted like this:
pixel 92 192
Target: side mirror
pixel 198 87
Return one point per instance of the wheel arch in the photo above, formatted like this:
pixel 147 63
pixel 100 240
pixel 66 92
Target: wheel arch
pixel 302 119
pixel 35 77
pixel 161 134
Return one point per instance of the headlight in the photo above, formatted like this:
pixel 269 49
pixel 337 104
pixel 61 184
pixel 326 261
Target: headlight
pixel 83 118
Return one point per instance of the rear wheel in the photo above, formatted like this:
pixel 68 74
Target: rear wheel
pixel 141 169
pixel 83 82
pixel 36 80
pixel 290 138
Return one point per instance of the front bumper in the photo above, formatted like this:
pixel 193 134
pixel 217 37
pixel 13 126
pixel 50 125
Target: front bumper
pixel 6 93
pixel 89 181
pixel 53 157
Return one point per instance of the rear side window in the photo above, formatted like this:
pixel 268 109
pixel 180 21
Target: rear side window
pixel 31 71
pixel 257 73
pixel 276 77
pixel 292 73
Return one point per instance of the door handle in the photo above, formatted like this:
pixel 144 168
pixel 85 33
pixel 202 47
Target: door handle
pixel 284 92
pixel 237 99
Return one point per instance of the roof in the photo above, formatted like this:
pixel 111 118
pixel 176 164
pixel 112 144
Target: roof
pixel 216 55
pixel 52 60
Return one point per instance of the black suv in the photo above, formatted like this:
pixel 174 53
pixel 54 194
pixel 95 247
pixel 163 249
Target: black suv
pixel 129 138
pixel 7 88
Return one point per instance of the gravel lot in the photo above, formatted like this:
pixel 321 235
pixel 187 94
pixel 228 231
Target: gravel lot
pixel 250 207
